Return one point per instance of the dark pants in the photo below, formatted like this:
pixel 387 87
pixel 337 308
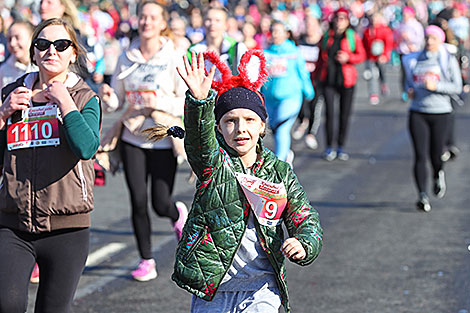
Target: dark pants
pixel 309 108
pixel 450 140
pixel 345 105
pixel 138 165
pixel 428 133
pixel 61 256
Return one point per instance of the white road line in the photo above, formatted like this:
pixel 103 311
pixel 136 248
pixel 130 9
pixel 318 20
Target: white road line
pixel 118 272
pixel 103 253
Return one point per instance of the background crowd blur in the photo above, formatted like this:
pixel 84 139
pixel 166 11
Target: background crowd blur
pixel 107 27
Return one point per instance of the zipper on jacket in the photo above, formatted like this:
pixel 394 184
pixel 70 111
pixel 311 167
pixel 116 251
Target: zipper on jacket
pixel 201 235
pixel 82 181
pixel 33 182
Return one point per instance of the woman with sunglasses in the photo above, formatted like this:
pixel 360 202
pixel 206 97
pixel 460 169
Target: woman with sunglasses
pixel 147 85
pixel 49 132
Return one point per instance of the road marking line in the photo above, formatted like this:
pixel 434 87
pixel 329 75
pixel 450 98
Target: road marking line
pixel 101 254
pixel 114 274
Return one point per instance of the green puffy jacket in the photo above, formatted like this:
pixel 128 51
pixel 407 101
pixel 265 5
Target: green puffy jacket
pixel 220 210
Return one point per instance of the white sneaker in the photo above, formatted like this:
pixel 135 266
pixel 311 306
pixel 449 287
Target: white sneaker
pixel 311 141
pixel 299 132
pixel 329 155
pixel 440 185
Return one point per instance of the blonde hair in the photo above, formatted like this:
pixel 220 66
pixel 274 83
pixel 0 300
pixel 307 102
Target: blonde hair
pixel 166 16
pixel 70 13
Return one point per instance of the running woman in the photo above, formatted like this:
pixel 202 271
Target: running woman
pixel 47 191
pixel 147 85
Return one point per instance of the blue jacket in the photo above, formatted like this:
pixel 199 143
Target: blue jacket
pixel 288 75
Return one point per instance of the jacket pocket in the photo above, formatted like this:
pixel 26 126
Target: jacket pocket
pixel 194 242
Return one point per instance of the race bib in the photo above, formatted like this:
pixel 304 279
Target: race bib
pixel 268 200
pixel 377 47
pixel 38 127
pixel 423 72
pixel 278 67
pixel 136 97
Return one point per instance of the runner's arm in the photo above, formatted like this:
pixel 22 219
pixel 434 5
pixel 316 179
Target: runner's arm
pixel 82 129
pixel 302 220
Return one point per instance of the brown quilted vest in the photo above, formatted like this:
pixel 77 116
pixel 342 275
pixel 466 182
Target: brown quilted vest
pixel 47 188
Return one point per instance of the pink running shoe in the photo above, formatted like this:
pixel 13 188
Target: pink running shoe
pixel 183 216
pixel 35 274
pixel 145 271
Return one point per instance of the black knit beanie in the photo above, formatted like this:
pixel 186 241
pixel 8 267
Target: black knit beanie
pixel 240 98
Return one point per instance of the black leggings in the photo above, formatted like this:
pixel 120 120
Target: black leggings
pixel 428 133
pixel 61 256
pixel 161 166
pixel 345 105
pixel 308 110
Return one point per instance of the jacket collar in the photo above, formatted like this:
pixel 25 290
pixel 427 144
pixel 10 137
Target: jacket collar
pixel 71 81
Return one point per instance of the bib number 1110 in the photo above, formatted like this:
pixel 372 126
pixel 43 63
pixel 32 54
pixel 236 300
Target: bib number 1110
pixel 27 129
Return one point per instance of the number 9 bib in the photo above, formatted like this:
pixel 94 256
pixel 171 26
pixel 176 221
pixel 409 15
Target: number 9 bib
pixel 268 200
pixel 38 127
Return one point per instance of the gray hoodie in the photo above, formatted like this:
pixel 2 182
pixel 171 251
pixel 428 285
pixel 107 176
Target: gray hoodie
pixel 444 69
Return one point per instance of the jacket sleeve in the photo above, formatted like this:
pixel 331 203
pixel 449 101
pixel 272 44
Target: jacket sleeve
pixel 117 98
pixel 388 45
pixel 359 55
pixel 302 220
pixel 307 87
pixel 82 129
pixel 200 140
pixel 453 86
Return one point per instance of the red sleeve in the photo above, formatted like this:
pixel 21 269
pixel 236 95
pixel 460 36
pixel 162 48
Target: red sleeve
pixel 389 43
pixel 359 55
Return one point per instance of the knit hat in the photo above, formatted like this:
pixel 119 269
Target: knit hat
pixel 436 31
pixel 240 98
pixel 342 10
pixel 241 91
pixel 409 10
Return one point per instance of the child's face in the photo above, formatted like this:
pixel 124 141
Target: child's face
pixel 241 129
pixel 19 40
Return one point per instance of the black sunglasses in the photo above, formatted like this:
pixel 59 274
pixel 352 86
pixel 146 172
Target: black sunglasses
pixel 60 44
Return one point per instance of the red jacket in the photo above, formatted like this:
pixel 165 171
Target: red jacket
pixel 382 33
pixel 349 69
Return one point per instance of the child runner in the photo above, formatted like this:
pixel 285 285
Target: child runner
pixel 231 253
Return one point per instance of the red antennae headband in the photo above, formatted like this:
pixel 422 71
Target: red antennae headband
pixel 252 69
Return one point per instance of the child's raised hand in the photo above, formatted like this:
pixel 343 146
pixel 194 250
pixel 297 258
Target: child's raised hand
pixel 195 77
pixel 293 249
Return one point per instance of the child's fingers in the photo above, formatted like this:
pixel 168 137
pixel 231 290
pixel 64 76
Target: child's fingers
pixel 200 61
pixel 182 73
pixel 187 66
pixel 212 72
pixel 193 61
pixel 292 248
pixel 300 255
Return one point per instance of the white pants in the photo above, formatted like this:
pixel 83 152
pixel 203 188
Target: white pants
pixel 265 300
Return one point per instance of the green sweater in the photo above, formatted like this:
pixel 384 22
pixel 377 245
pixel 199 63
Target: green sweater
pixel 82 130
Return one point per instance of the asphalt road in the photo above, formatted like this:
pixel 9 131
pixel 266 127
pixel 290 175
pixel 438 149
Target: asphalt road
pixel 380 254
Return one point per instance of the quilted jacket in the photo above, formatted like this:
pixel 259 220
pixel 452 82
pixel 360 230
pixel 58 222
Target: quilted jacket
pixel 220 210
